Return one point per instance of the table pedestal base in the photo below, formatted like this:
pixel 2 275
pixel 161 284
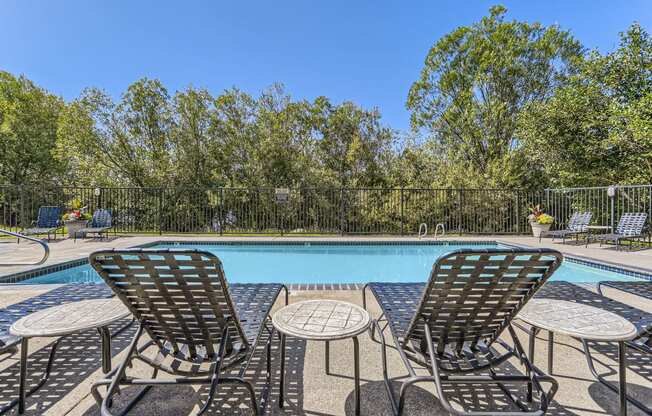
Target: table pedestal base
pixel 622 370
pixel 356 370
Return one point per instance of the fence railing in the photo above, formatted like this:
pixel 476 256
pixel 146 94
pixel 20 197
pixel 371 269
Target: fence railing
pixel 323 211
pixel 606 203
pixel 307 210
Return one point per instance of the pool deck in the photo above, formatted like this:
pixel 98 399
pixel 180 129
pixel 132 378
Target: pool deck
pixel 310 391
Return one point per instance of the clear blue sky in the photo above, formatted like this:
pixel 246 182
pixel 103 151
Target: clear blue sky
pixel 368 52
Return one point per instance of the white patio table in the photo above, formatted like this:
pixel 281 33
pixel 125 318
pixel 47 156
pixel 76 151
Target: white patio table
pixel 323 320
pixel 60 321
pixel 583 322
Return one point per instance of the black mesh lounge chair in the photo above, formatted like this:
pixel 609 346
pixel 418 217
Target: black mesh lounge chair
pixel 100 224
pixel 47 222
pixel 470 298
pixel 576 225
pixel 642 288
pixel 630 227
pixel 198 326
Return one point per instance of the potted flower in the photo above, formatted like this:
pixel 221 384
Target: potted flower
pixel 539 221
pixel 76 218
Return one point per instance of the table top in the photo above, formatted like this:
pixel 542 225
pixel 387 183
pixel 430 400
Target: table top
pixel 70 318
pixel 321 320
pixel 598 227
pixel 577 320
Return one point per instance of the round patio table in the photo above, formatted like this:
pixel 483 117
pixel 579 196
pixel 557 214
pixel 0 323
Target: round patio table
pixel 60 321
pixel 583 322
pixel 323 320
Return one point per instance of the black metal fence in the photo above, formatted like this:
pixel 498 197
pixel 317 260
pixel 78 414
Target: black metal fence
pixel 323 211
pixel 306 211
pixel 607 203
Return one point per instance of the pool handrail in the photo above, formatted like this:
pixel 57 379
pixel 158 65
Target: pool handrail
pixel 46 249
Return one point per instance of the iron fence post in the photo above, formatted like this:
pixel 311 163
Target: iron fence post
pixel 459 211
pixel 342 211
pixel 611 208
pixel 220 212
pixel 21 190
pixel 518 212
pixel 160 211
pixel 402 218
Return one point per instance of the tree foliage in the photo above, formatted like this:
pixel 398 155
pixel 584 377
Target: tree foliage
pixel 478 79
pixel 498 104
pixel 28 131
pixel 597 128
pixel 150 138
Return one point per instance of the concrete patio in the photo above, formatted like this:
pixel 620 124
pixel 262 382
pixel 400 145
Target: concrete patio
pixel 309 390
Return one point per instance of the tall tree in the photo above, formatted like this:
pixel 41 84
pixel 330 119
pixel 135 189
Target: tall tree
pixel 597 129
pixel 28 131
pixel 130 141
pixel 478 79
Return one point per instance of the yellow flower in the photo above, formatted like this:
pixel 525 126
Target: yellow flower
pixel 545 219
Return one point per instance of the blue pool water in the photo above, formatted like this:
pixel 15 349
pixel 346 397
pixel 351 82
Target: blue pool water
pixel 331 264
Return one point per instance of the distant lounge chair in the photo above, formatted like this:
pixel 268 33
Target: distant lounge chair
pixel 48 222
pixel 576 225
pixel 197 325
pixel 630 227
pixel 470 298
pixel 100 224
pixel 642 288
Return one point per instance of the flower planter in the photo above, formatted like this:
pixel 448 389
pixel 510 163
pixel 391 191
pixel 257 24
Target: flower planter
pixel 74 226
pixel 537 228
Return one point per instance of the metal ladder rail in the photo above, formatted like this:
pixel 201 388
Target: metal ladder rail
pixel 43 244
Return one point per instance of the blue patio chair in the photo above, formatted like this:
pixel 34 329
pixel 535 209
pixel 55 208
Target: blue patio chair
pixel 100 224
pixel 47 222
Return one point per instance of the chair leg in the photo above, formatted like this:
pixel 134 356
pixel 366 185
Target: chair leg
pixel 119 374
pixel 383 352
pixel 216 372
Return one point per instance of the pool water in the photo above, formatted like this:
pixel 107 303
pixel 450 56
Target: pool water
pixel 331 264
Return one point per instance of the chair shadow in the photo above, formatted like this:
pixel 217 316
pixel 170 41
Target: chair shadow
pixel 99 239
pixel 421 402
pixel 229 399
pixel 77 357
pixel 608 400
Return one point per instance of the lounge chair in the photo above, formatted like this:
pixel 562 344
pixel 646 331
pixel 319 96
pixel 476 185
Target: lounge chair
pixel 197 325
pixel 576 225
pixel 100 224
pixel 47 222
pixel 630 227
pixel 450 324
pixel 642 288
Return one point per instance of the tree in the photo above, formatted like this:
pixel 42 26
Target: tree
pixel 129 141
pixel 28 126
pixel 353 146
pixel 597 129
pixel 479 78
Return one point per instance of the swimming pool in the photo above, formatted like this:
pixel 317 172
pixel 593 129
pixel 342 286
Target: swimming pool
pixel 330 263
